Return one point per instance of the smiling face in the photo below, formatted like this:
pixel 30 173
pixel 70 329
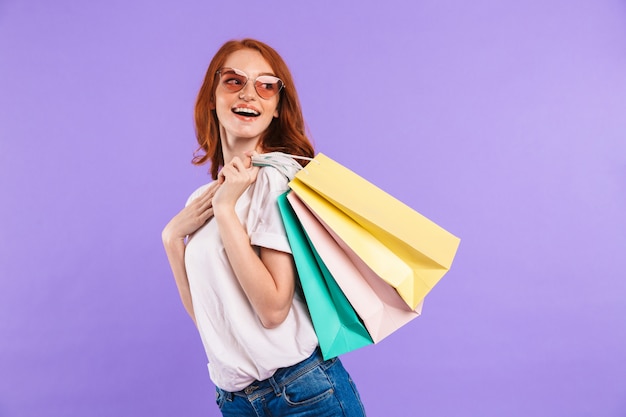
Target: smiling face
pixel 244 115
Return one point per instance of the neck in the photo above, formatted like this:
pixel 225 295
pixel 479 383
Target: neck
pixel 232 147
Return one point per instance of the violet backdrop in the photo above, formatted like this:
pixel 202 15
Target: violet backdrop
pixel 504 122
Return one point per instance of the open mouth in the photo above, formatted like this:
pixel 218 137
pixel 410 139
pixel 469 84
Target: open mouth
pixel 246 112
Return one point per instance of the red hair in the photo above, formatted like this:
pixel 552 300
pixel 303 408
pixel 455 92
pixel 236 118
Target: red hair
pixel 286 133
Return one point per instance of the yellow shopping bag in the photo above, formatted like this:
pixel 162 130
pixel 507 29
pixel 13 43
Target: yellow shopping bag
pixel 377 303
pixel 404 248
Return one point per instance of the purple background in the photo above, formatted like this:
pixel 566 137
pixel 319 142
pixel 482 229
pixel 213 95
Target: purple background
pixel 505 122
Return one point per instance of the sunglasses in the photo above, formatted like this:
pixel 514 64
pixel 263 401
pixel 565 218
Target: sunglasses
pixel 233 80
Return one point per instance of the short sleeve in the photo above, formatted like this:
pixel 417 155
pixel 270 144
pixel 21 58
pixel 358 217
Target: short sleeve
pixel 265 224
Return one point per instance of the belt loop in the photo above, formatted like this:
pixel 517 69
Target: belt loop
pixel 228 396
pixel 275 386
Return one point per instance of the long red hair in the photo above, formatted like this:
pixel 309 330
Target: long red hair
pixel 286 133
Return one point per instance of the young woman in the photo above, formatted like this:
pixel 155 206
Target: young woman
pixel 229 252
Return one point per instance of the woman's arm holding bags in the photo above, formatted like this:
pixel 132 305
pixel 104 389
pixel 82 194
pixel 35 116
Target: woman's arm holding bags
pixel 268 280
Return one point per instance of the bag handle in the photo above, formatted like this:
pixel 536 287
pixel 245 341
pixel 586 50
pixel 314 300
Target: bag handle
pixel 283 162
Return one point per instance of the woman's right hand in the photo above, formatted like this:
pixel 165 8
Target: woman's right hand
pixel 192 217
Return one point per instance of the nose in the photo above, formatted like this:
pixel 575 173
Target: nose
pixel 247 92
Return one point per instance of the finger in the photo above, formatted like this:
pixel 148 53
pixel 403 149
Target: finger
pixel 206 195
pixel 195 212
pixel 205 204
pixel 206 199
pixel 249 155
pixel 238 164
pixel 220 176
pixel 253 172
pixel 215 185
pixel 205 215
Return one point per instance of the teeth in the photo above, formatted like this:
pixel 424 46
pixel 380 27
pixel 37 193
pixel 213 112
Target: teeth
pixel 246 110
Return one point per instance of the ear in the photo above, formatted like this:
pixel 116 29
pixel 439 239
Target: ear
pixel 212 104
pixel 277 110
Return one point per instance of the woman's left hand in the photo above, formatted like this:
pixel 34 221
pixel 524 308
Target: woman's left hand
pixel 234 179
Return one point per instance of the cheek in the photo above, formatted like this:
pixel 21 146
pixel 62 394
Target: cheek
pixel 221 107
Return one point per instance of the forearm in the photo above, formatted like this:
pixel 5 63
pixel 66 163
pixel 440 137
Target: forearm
pixel 270 296
pixel 175 250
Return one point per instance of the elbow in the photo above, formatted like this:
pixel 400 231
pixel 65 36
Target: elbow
pixel 274 319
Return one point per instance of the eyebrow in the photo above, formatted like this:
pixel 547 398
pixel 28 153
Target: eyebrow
pixel 261 73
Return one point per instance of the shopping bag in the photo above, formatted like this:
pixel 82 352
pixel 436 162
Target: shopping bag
pixel 378 304
pixel 401 246
pixel 338 328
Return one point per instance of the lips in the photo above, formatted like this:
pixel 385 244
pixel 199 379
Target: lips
pixel 245 111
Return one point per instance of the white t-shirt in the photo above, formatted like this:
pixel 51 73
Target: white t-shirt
pixel 239 349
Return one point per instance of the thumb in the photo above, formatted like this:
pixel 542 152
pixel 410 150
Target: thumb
pixel 254 172
pixel 249 155
pixel 220 178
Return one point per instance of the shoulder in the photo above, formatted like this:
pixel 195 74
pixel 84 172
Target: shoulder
pixel 271 179
pixel 197 193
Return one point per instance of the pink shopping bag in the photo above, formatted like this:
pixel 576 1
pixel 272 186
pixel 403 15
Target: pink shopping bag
pixel 377 303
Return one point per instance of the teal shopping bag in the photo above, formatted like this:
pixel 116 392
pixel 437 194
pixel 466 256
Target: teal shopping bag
pixel 338 327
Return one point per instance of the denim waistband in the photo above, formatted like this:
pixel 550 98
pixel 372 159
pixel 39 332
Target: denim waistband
pixel 281 377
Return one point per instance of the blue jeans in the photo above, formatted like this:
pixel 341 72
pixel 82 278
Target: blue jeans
pixel 311 388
